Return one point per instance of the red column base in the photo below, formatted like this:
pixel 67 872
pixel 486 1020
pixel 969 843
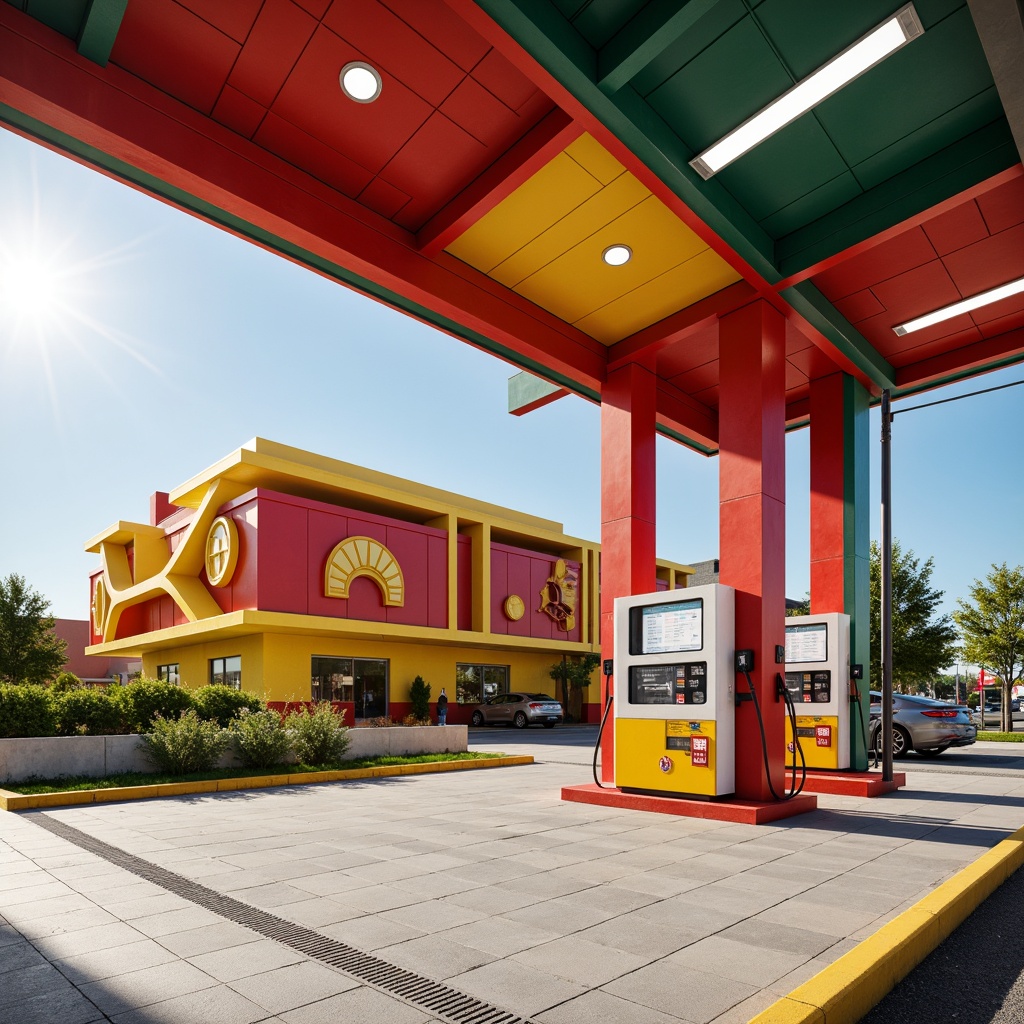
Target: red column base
pixel 852 783
pixel 746 812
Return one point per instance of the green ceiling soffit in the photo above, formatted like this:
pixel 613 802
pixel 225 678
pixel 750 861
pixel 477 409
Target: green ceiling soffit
pixel 981 155
pixel 99 29
pixel 552 41
pixel 821 314
pixel 187 201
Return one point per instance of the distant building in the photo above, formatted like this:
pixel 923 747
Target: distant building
pixel 299 577
pixel 92 669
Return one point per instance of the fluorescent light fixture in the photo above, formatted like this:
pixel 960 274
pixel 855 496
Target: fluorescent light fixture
pixel 617 255
pixel 842 69
pixel 1004 291
pixel 360 82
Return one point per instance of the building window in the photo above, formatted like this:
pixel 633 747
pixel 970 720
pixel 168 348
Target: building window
pixel 362 682
pixel 169 673
pixel 476 683
pixel 226 672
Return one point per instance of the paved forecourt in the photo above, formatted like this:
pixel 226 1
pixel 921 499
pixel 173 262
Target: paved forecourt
pixel 480 893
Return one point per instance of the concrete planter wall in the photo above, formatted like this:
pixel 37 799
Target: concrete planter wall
pixel 50 757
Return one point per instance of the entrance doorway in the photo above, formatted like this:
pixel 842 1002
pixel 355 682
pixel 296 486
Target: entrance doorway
pixel 362 682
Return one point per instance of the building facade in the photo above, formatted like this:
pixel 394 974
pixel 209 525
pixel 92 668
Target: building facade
pixel 299 577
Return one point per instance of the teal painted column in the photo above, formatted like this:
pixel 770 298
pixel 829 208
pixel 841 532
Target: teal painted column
pixel 840 525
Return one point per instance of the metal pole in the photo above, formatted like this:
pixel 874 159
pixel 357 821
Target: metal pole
pixel 886 602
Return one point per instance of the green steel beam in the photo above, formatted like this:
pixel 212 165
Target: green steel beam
pixel 822 315
pixel 643 38
pixel 99 29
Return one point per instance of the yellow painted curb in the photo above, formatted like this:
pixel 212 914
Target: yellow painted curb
pixel 845 991
pixel 19 802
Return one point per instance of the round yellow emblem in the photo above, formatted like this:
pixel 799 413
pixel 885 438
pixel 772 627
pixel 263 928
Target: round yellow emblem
pixel 515 607
pixel 221 551
pixel 100 605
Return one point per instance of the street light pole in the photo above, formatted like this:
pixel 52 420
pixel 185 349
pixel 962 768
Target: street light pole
pixel 886 574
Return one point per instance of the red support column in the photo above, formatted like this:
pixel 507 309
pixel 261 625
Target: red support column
pixel 752 495
pixel 627 508
pixel 840 530
pixel 828 547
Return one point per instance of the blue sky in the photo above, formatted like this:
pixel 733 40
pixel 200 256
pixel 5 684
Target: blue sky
pixel 167 343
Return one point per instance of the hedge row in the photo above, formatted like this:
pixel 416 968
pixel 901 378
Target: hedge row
pixel 53 711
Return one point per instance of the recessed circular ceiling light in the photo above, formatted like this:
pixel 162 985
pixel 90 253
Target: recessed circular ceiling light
pixel 616 255
pixel 360 82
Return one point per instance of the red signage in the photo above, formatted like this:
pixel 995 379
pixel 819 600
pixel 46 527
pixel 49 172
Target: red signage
pixel 699 751
pixel 823 735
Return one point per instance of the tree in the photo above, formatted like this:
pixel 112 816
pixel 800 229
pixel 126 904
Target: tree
pixel 992 626
pixel 922 641
pixel 30 652
pixel 574 673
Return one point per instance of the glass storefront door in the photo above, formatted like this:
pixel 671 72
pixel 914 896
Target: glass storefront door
pixel 359 681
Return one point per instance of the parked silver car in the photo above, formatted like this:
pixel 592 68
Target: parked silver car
pixel 921 724
pixel 520 710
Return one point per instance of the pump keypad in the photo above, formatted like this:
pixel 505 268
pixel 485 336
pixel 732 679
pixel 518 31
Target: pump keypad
pixel 810 687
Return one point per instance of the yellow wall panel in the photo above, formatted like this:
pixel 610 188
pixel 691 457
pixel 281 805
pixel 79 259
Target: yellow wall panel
pixel 549 195
pixel 703 275
pixel 611 203
pixel 194 661
pixel 589 153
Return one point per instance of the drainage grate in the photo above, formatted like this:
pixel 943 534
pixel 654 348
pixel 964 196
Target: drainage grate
pixel 421 992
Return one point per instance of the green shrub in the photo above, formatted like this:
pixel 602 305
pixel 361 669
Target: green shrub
pixel 319 734
pixel 260 738
pixel 26 710
pixel 143 700
pixel 419 696
pixel 222 703
pixel 87 712
pixel 65 681
pixel 180 746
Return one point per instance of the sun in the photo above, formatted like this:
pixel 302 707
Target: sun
pixel 32 291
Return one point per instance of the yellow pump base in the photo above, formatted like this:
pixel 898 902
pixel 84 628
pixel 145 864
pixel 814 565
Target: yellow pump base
pixel 675 757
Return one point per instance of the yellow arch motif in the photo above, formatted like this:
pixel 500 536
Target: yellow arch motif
pixel 364 556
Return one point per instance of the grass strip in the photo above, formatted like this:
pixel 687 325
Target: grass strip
pixel 1002 737
pixel 35 787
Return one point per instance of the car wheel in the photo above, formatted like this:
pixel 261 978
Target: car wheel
pixel 478 718
pixel 520 720
pixel 900 742
pixel 549 725
pixel 932 751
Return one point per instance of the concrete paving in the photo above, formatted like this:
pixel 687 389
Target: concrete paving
pixel 483 881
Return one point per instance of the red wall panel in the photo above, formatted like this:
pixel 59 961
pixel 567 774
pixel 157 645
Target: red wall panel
pixel 525 573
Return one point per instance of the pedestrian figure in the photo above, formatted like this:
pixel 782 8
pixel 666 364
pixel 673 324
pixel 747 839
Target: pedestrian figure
pixel 442 707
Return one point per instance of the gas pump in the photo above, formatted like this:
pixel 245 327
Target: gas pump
pixel 675 692
pixel 818 681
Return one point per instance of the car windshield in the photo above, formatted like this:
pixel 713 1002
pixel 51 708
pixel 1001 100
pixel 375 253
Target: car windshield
pixel 542 696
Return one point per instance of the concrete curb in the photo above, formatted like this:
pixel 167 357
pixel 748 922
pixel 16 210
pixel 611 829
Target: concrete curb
pixel 20 802
pixel 845 991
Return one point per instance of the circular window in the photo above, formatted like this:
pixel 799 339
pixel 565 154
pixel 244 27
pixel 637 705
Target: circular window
pixel 221 551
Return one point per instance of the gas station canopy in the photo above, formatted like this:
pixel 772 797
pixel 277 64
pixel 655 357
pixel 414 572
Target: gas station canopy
pixel 542 178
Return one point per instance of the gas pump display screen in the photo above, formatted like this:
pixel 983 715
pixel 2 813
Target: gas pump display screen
pixel 667 628
pixel 809 687
pixel 669 684
pixel 807 643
